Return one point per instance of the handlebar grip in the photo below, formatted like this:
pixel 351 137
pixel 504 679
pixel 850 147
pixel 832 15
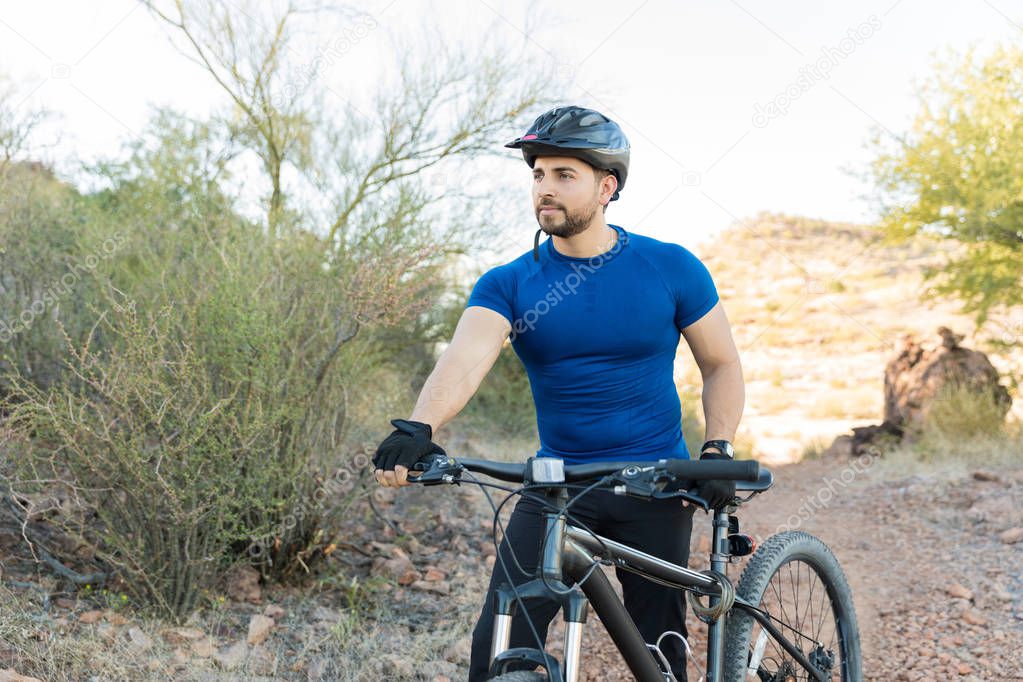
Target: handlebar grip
pixel 714 469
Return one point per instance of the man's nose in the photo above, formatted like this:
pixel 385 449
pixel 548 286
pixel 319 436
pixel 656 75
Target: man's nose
pixel 545 188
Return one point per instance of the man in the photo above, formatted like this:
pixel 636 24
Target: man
pixel 595 316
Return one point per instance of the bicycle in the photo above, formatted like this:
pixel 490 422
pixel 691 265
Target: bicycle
pixel 743 620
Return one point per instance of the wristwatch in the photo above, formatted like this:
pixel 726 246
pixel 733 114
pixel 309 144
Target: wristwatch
pixel 723 445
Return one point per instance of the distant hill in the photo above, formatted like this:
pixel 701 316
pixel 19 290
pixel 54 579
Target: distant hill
pixel 817 309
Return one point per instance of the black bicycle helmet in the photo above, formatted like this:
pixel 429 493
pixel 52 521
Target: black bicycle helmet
pixel 581 133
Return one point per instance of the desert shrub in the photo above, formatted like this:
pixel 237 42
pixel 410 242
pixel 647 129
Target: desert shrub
pixel 960 411
pixel 202 416
pixel 45 271
pixel 196 431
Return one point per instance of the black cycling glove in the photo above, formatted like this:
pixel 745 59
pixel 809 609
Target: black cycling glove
pixel 717 493
pixel 408 444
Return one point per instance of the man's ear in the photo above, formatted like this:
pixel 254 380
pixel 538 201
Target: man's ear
pixel 614 185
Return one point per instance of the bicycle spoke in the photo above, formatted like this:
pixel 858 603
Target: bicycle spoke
pixel 805 611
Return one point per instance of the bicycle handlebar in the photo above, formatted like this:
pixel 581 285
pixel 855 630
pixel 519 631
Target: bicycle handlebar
pixel 693 470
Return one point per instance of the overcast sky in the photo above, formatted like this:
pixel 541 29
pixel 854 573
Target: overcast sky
pixel 731 107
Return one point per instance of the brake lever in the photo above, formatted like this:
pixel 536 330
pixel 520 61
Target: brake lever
pixel 683 495
pixel 436 469
pixel 647 483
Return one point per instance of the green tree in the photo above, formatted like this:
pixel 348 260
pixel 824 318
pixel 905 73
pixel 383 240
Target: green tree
pixel 958 174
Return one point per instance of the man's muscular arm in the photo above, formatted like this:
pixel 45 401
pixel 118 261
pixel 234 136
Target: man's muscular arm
pixel 459 371
pixel 724 392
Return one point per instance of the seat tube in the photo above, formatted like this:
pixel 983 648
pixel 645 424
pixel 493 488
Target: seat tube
pixel 716 630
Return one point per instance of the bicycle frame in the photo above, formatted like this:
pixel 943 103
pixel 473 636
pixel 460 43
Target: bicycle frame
pixel 569 551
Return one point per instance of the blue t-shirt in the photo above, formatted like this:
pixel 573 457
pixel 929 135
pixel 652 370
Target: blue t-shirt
pixel 597 337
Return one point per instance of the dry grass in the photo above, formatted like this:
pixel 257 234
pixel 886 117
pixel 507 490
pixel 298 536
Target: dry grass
pixel 964 431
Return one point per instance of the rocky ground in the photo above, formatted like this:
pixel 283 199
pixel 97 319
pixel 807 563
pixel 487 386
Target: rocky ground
pixel 935 561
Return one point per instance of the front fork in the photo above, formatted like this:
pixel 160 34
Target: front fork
pixel 574 611
pixel 573 602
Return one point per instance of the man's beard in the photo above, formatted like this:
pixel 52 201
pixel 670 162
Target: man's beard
pixel 571 223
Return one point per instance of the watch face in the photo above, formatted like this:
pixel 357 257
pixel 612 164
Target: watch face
pixel 722 445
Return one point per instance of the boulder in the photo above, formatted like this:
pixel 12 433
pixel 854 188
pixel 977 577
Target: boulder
pixel 914 381
pixel 917 376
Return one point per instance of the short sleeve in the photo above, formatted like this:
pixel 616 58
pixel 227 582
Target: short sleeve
pixel 696 293
pixel 494 290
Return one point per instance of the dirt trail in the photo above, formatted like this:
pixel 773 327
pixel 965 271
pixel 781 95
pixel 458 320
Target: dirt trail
pixel 938 594
pixel 906 545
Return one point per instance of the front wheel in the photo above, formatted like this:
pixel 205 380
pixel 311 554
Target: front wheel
pixel 795 579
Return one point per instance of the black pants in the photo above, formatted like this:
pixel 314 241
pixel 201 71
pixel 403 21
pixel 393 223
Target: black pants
pixel 659 527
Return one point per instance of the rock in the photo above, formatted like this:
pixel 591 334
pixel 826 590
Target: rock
pixel 114 618
pixel 203 648
pixel 90 617
pixel 243 585
pixel 395 568
pixel 9 675
pixel 106 632
pixel 1011 536
pixel 179 636
pixel 408 577
pixel 140 641
pixel 869 440
pixel 64 602
pixel 959 592
pixel 916 378
pixel 841 447
pixel 964 669
pixel 489 561
pixel 233 656
pixel 259 629
pixel 436 588
pixel 274 611
pixel 433 575
pixel 181 656
pixel 989 476
pixel 974 618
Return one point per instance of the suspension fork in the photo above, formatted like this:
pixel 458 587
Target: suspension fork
pixel 551 567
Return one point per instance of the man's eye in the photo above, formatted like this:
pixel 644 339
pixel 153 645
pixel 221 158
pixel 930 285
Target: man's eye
pixel 566 176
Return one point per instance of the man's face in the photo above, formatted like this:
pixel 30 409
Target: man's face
pixel 566 195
